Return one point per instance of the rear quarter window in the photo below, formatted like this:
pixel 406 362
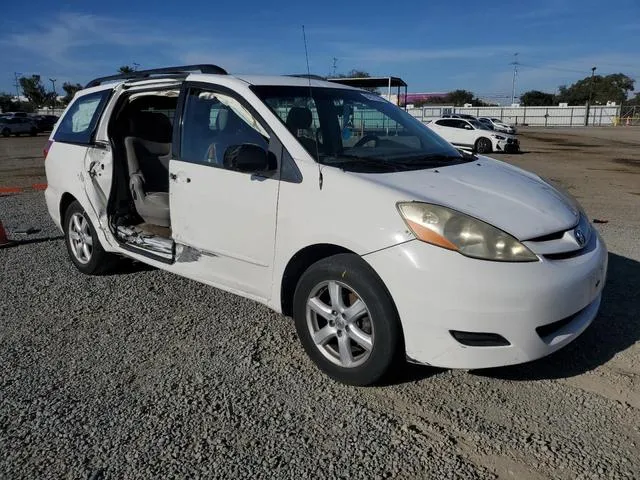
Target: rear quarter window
pixel 79 123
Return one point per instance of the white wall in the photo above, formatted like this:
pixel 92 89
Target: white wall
pixel 599 115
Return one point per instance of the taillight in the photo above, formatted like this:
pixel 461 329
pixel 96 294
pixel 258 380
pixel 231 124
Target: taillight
pixel 46 148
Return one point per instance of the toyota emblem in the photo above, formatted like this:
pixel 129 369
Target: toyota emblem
pixel 580 237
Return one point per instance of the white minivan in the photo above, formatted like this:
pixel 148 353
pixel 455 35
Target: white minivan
pixel 328 204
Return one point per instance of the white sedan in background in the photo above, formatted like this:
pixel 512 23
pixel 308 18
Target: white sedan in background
pixel 498 125
pixel 474 135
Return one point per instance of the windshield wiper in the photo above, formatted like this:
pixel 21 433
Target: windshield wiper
pixel 435 159
pixel 346 160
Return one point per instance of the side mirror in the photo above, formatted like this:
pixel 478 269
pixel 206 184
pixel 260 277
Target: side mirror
pixel 249 158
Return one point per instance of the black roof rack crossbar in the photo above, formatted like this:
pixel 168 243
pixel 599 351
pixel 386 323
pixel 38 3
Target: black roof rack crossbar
pixel 182 69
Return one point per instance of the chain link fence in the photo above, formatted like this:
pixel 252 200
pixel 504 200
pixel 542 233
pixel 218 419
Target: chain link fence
pixel 629 116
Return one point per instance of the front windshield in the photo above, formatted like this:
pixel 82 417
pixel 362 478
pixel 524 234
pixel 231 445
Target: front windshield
pixel 356 130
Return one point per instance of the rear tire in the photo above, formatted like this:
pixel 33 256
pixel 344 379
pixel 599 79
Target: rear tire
pixel 83 244
pixel 356 346
pixel 483 145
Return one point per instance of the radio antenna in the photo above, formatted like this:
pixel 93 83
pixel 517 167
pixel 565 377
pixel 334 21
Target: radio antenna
pixel 306 55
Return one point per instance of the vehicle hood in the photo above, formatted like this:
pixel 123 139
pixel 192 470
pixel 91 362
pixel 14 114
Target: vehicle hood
pixel 518 202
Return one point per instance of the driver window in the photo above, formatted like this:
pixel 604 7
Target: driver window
pixel 212 123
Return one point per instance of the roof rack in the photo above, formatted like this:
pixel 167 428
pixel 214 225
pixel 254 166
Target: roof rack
pixel 306 75
pixel 178 70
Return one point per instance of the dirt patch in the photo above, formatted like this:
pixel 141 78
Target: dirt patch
pixel 632 162
pixel 620 170
pixel 559 141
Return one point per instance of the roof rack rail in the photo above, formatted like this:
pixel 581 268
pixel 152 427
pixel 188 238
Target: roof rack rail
pixel 181 69
pixel 306 75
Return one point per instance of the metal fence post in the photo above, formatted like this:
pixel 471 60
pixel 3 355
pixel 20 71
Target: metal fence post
pixel 571 119
pixel 524 116
pixel 546 117
pixel 601 116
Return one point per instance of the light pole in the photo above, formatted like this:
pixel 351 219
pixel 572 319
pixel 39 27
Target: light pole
pixel 16 76
pixel 55 94
pixel 586 119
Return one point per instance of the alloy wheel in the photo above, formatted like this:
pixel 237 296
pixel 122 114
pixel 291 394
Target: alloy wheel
pixel 340 324
pixel 80 238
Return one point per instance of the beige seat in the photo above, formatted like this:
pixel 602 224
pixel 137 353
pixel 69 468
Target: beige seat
pixel 148 148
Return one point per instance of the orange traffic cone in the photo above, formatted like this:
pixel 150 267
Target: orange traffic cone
pixel 4 241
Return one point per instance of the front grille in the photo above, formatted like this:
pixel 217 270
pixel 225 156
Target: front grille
pixel 564 255
pixel 548 237
pixel 479 339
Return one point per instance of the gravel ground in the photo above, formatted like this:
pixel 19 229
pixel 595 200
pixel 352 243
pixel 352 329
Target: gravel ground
pixel 144 374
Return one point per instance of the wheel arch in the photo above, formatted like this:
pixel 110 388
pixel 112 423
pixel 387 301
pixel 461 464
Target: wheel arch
pixel 475 145
pixel 298 264
pixel 66 200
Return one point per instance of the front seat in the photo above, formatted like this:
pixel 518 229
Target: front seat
pixel 300 118
pixel 148 148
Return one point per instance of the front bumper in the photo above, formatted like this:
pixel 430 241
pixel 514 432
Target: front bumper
pixel 511 145
pixel 437 291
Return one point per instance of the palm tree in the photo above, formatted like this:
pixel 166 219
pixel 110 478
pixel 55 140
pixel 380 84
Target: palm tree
pixel 126 69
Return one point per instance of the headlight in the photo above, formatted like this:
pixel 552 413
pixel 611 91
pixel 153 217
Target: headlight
pixel 453 230
pixel 499 137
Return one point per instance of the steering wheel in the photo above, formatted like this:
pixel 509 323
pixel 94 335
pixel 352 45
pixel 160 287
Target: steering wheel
pixel 367 138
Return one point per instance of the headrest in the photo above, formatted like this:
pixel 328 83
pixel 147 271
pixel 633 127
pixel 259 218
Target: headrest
pixel 299 118
pixel 152 126
pixel 227 120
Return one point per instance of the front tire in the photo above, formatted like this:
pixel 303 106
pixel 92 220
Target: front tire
pixel 83 245
pixel 346 320
pixel 483 145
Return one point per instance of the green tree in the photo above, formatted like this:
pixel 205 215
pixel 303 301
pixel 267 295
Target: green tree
pixel 125 69
pixel 70 90
pixel 7 103
pixel 633 101
pixel 355 73
pixel 614 87
pixel 459 97
pixel 537 98
pixel 34 90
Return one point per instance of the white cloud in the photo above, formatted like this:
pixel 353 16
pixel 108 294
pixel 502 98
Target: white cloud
pixel 375 55
pixel 60 45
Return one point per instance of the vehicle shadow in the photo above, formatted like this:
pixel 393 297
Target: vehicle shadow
pixel 409 373
pixel 127 266
pixel 616 328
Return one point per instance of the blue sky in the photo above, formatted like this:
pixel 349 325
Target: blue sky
pixel 434 45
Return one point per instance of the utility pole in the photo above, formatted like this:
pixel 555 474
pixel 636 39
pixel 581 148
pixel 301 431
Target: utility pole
pixel 16 78
pixel 55 95
pixel 586 117
pixel 335 65
pixel 515 74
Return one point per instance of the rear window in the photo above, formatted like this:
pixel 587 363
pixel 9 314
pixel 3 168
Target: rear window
pixel 79 122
